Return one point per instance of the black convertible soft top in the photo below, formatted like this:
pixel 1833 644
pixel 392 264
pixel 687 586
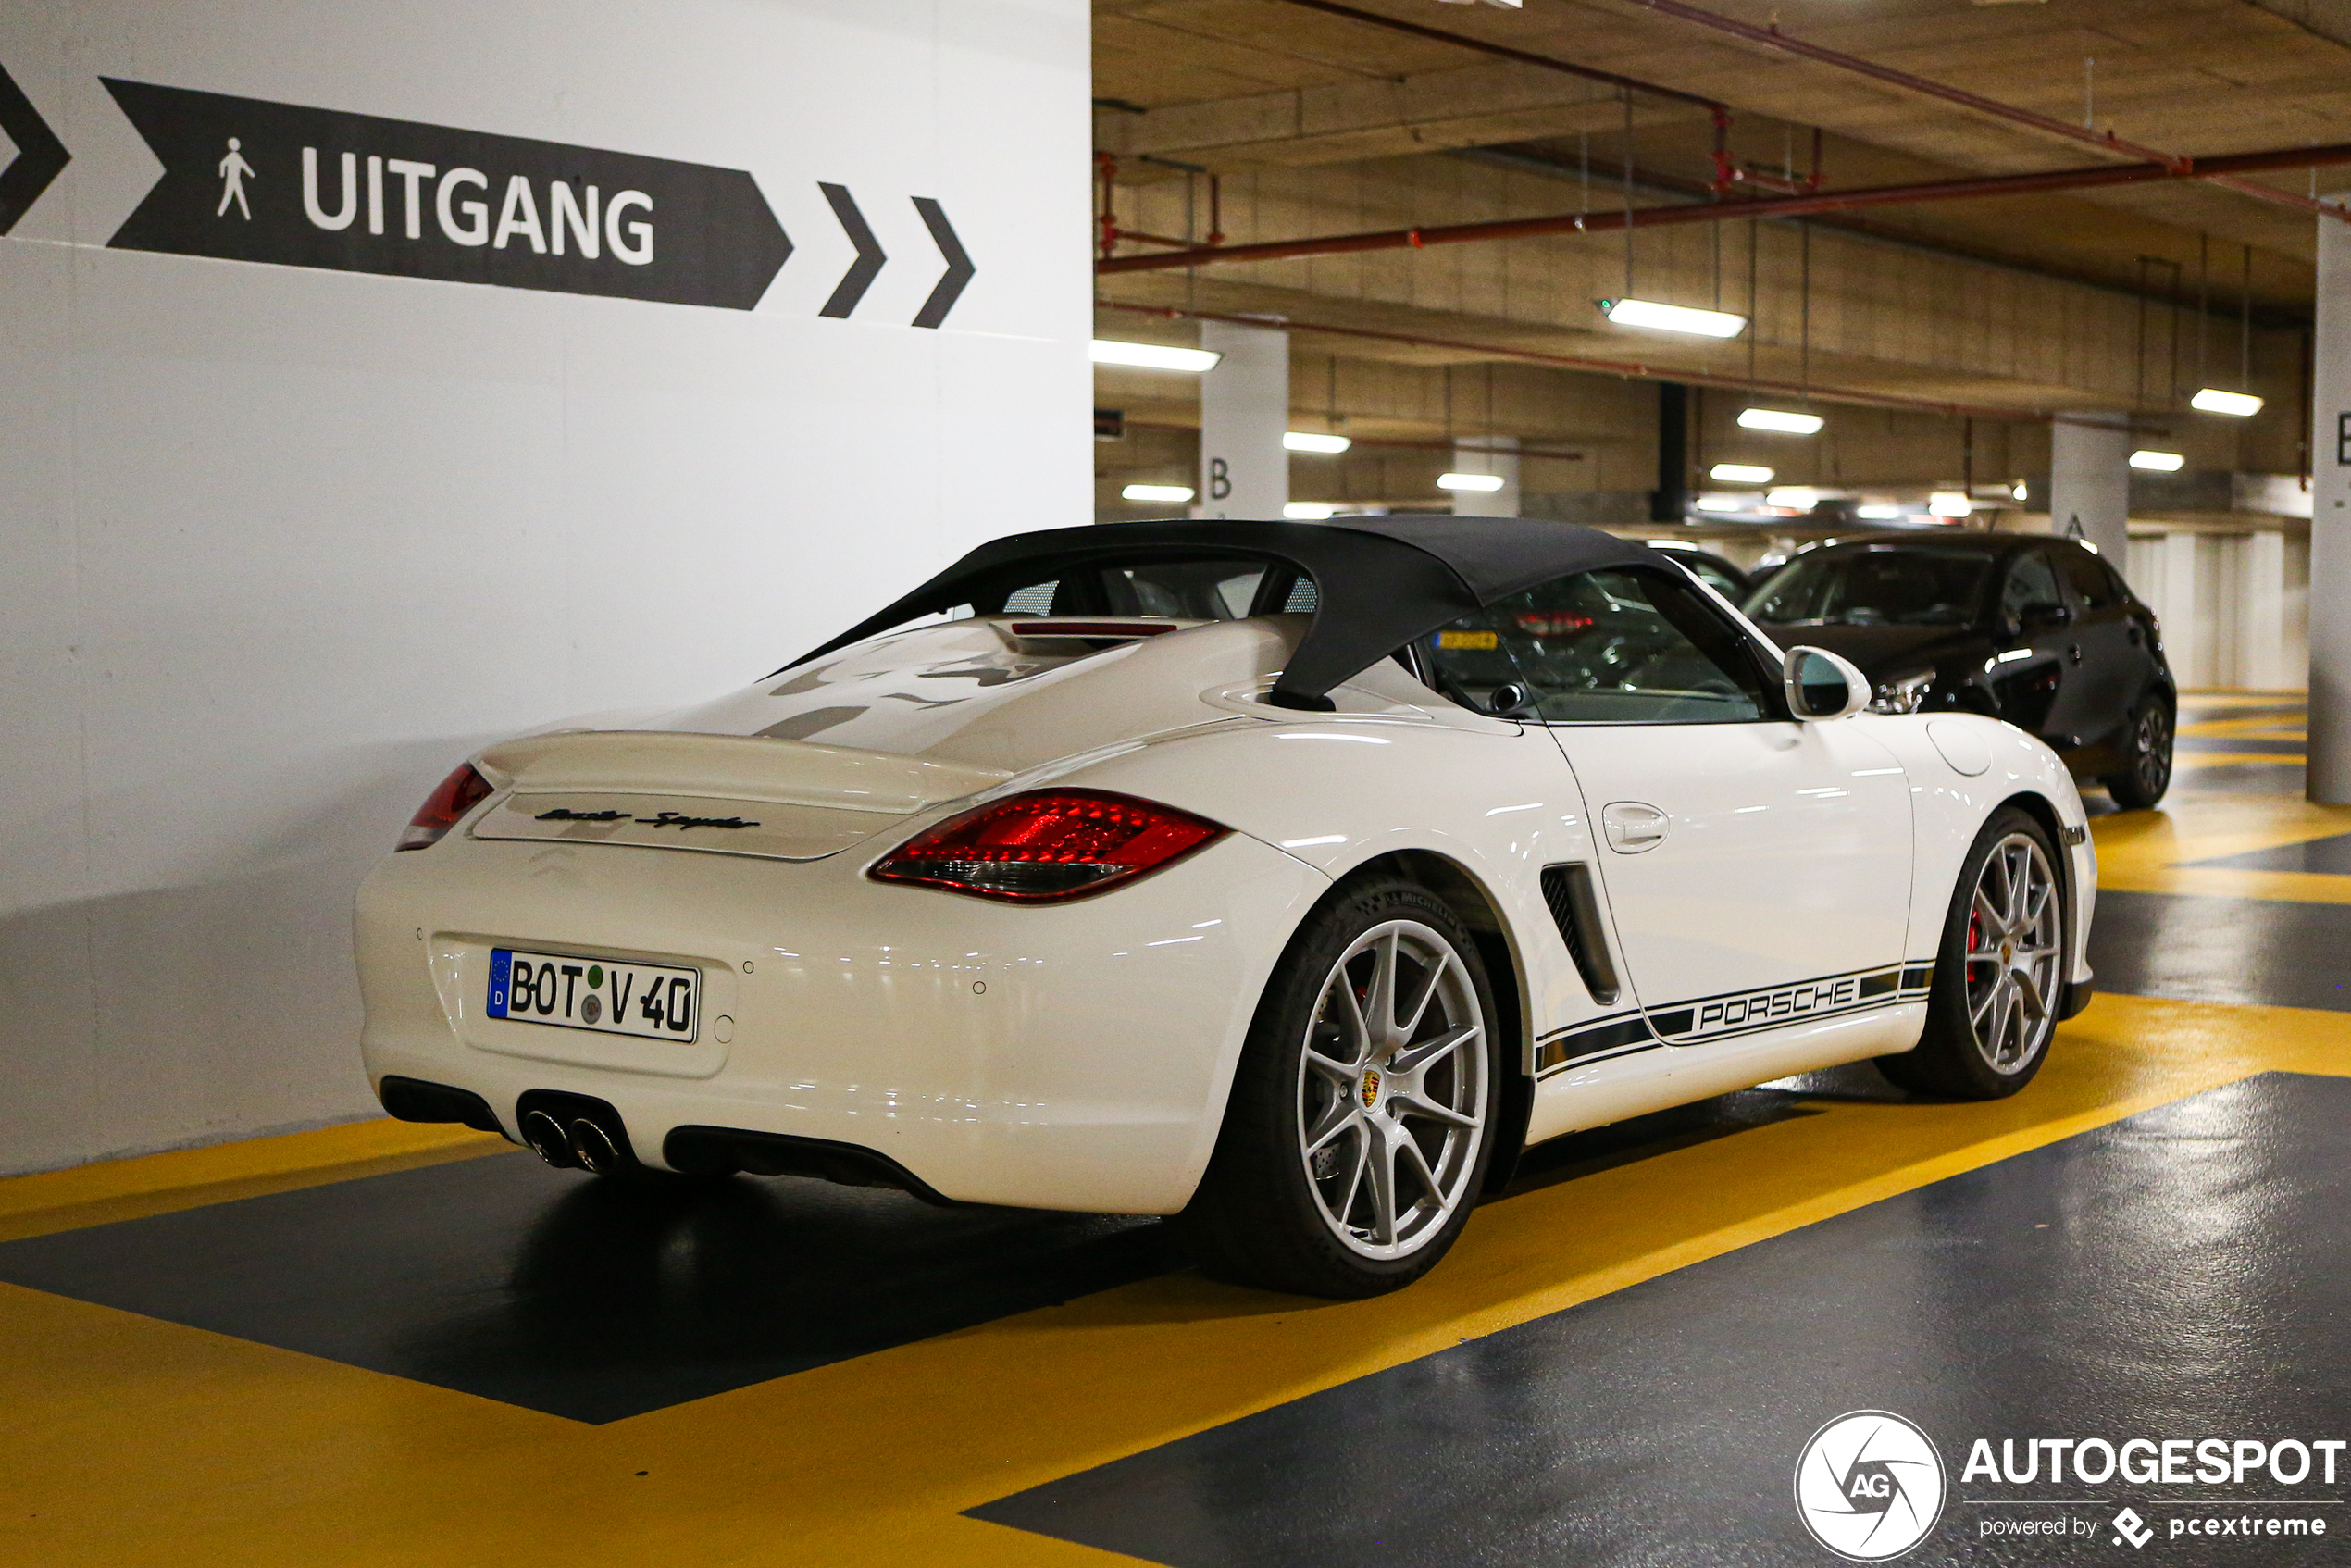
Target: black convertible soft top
pixel 1379 582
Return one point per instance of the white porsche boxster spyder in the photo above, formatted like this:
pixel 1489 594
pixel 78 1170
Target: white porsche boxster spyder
pixel 1288 879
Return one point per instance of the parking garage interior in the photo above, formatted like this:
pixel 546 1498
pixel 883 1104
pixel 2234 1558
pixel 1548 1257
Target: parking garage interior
pixel 319 479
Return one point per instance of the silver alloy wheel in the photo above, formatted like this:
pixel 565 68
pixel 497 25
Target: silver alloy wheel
pixel 2014 934
pixel 1391 1089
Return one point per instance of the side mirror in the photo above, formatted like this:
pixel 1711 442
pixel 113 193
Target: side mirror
pixel 2041 617
pixel 1822 686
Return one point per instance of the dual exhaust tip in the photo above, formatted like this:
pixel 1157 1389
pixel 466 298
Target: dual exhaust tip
pixel 577 1143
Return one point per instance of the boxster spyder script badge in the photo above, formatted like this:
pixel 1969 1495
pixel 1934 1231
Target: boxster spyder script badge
pixel 1869 1486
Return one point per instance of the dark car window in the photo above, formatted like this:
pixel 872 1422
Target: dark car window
pixel 2093 583
pixel 2031 590
pixel 1211 590
pixel 1873 588
pixel 1712 572
pixel 1605 647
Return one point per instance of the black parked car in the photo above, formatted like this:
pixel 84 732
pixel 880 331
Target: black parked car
pixel 2036 631
pixel 1708 567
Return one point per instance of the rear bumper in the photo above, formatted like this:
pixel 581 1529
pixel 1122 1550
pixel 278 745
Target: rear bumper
pixel 1073 1056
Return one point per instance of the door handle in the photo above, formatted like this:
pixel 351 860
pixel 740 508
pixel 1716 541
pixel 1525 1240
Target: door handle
pixel 1633 826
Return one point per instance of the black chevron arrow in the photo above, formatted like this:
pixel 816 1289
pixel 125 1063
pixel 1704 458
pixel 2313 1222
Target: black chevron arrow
pixel 40 155
pixel 860 276
pixel 959 265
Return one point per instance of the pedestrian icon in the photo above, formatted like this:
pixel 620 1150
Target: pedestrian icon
pixel 233 170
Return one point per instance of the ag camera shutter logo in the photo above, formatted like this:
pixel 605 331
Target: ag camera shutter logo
pixel 1869 1486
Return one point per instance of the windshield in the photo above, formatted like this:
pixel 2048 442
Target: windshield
pixel 1873 588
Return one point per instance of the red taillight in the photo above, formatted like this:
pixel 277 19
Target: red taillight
pixel 1053 844
pixel 444 808
pixel 1554 623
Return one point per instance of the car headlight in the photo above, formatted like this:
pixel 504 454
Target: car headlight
pixel 1902 696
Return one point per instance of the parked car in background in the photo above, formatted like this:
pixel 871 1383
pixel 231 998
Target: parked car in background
pixel 2039 631
pixel 1708 567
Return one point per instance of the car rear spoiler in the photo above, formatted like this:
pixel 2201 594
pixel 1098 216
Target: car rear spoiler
pixel 731 767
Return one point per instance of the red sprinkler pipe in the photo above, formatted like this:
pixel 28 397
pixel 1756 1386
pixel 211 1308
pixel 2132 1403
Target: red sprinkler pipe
pixel 1109 241
pixel 1716 212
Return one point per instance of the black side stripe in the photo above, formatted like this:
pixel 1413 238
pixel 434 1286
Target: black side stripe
pixel 1610 1037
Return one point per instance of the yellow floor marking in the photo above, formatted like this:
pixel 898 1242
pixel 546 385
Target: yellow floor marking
pixel 2186 762
pixel 2262 727
pixel 2150 850
pixel 130 1443
pixel 2234 698
pixel 182 1178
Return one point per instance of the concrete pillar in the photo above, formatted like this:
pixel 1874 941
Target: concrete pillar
pixel 2090 481
pixel 2330 775
pixel 1244 409
pixel 1488 454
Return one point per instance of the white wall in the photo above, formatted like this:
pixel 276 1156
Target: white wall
pixel 279 545
pixel 2236 608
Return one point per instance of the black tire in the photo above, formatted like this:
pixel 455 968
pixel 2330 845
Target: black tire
pixel 2147 747
pixel 1263 1212
pixel 1974 975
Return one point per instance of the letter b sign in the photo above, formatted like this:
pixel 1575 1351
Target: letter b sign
pixel 1220 480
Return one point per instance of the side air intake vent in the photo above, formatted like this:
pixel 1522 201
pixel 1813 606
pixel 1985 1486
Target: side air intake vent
pixel 1568 890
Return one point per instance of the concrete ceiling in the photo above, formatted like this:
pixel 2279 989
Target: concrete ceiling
pixel 1319 124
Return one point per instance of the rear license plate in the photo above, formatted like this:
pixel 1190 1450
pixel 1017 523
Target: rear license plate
pixel 649 1001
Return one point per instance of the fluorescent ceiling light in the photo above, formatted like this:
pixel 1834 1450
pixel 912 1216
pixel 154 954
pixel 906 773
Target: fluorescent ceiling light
pixel 1795 498
pixel 1673 319
pixel 1307 441
pixel 1739 473
pixel 1157 493
pixel 1719 502
pixel 1153 356
pixel 2158 462
pixel 1949 503
pixel 2212 400
pixel 1878 512
pixel 1781 420
pixel 1469 481
pixel 1308 511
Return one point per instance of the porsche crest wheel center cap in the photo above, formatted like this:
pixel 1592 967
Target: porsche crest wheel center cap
pixel 1371 1088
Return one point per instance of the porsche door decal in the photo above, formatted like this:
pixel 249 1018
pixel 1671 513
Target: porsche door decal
pixel 1740 1013
pixel 1703 1020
